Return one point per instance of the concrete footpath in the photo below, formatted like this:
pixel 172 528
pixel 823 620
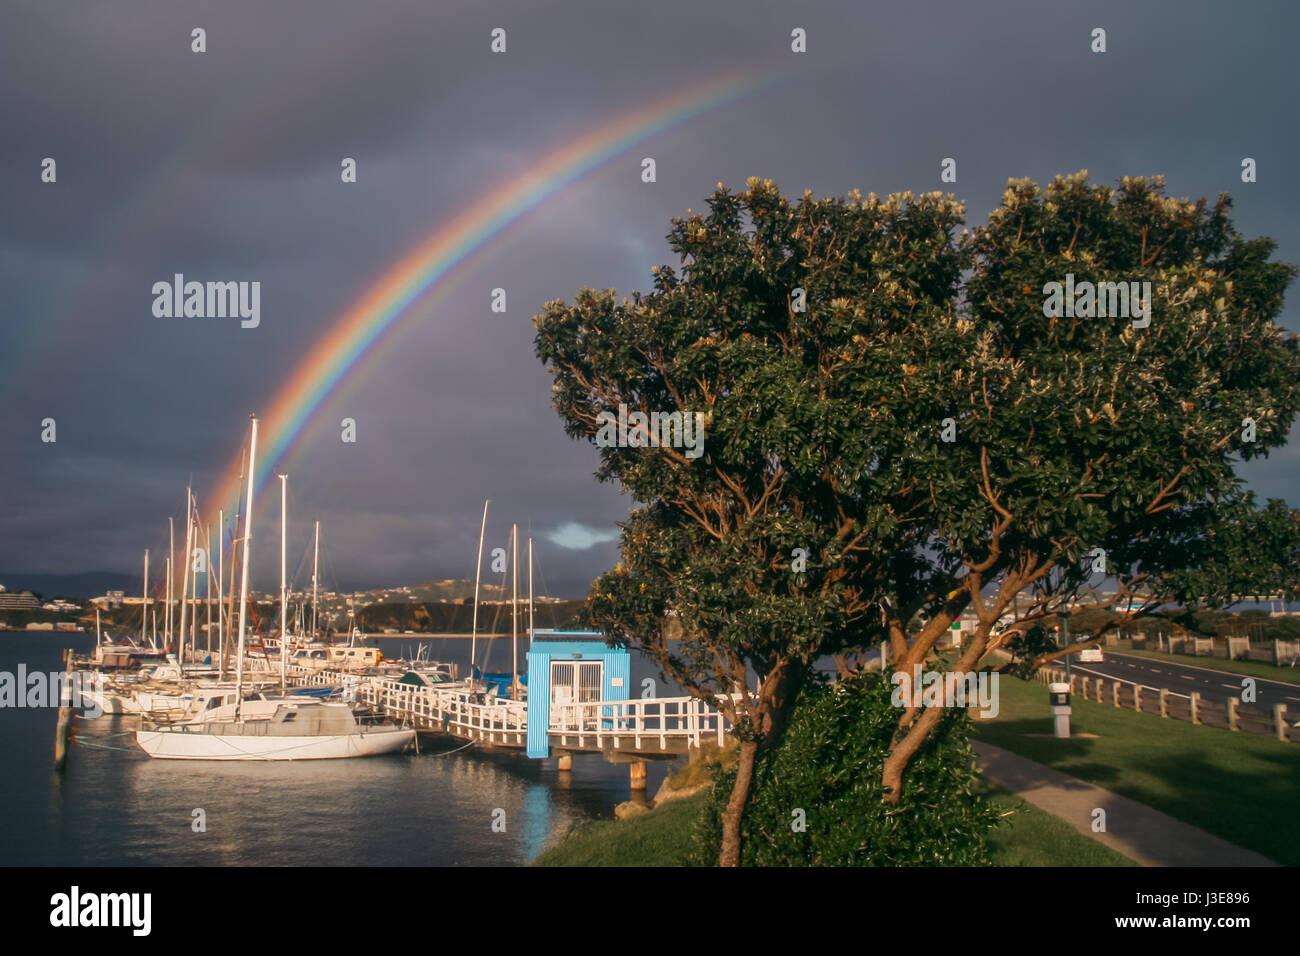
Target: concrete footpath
pixel 1140 833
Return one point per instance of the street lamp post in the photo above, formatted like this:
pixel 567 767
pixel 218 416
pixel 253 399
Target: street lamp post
pixel 1065 633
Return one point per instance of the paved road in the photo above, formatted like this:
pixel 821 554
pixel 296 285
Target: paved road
pixel 1214 686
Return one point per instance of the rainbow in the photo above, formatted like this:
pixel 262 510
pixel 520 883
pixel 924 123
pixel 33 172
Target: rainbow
pixel 343 350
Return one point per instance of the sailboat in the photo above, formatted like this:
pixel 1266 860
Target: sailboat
pixel 287 728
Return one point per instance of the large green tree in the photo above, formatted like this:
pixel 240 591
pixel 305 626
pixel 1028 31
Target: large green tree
pixel 898 431
pixel 769 548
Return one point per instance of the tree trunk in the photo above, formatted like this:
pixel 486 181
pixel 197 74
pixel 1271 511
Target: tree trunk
pixel 900 754
pixel 730 855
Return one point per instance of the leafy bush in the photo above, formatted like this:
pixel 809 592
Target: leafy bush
pixel 828 764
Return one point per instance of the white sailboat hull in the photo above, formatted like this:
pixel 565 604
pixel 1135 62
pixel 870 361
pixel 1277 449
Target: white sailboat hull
pixel 108 702
pixel 190 745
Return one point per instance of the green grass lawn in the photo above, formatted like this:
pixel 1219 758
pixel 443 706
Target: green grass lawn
pixel 1259 669
pixel 1242 787
pixel 1026 836
pixel 661 837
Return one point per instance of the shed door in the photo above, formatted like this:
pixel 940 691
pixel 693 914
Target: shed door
pixel 591 680
pixel 562 684
pixel 572 683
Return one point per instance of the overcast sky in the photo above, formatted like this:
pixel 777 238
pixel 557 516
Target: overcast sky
pixel 225 166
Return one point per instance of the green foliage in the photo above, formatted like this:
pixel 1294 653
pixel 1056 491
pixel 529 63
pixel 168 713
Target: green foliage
pixel 825 425
pixel 1100 434
pixel 828 763
pixel 825 436
pixel 800 437
pixel 1226 548
pixel 1091 620
pixel 1026 647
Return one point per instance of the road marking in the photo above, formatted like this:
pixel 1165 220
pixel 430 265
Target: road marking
pixel 1187 677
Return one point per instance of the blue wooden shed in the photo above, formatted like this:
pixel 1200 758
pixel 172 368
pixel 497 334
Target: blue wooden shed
pixel 566 667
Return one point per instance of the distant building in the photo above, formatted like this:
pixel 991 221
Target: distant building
pixel 114 598
pixel 22 601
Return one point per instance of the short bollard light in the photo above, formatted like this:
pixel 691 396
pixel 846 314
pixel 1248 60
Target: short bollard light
pixel 1060 697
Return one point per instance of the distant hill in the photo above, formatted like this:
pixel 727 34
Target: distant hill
pixel 81 586
pixel 91 584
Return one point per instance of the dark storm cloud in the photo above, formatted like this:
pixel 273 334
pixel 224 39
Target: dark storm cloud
pixel 225 166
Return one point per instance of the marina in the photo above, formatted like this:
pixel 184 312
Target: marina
pixel 114 805
pixel 339 701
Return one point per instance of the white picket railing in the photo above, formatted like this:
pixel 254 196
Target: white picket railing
pixel 622 724
pixel 454 711
pixel 658 719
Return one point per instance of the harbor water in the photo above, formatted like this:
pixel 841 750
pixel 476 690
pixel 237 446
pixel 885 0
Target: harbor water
pixel 115 806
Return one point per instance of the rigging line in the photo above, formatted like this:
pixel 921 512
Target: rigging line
pixel 537 564
pixel 448 753
pixel 496 617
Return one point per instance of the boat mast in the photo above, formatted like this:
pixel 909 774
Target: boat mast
pixel 99 637
pixel 234 550
pixel 530 590
pixel 478 574
pixel 144 616
pixel 221 560
pixel 514 613
pixel 284 605
pixel 167 611
pixel 171 563
pixel 243 571
pixel 194 583
pixel 315 564
pixel 207 587
pixel 185 587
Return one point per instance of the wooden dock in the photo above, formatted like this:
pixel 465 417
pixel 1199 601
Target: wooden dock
pixel 621 730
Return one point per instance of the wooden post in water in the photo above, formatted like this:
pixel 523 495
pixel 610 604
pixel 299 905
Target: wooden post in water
pixel 638 770
pixel 63 729
pixel 566 761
